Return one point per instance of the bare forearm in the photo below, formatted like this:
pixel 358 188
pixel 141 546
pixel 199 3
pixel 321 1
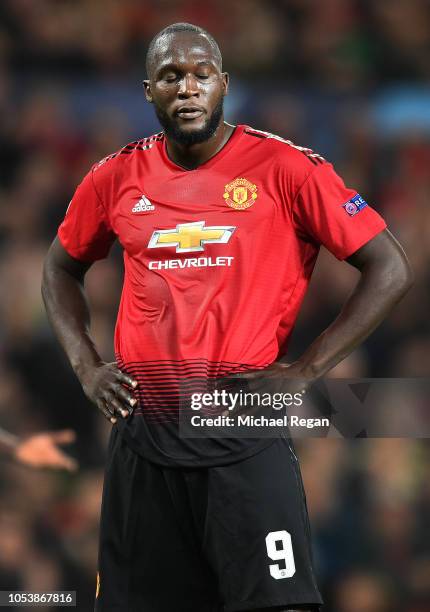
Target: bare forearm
pixel 68 313
pixel 104 384
pixel 383 283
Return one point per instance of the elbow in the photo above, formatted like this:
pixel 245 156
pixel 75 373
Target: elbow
pixel 49 276
pixel 401 277
pixel 409 278
pixel 45 280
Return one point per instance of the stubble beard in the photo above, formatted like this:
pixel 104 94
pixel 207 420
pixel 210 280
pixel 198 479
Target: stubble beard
pixel 187 138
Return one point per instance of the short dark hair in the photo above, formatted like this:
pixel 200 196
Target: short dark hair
pixel 181 27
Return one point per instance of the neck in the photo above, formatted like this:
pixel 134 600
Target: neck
pixel 192 156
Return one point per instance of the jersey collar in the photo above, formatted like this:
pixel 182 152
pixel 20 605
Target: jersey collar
pixel 237 133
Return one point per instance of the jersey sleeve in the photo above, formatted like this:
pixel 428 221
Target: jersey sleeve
pixel 333 215
pixel 85 232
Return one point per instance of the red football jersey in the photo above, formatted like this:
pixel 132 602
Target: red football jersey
pixel 217 262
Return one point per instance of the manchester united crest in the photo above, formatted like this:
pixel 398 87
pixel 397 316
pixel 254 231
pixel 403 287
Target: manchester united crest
pixel 240 194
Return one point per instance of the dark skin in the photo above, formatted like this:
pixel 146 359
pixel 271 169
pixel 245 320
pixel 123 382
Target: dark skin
pixel 385 278
pixel 185 72
pixel 176 78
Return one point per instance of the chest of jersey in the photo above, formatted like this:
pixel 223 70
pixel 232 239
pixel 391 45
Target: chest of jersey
pixel 198 218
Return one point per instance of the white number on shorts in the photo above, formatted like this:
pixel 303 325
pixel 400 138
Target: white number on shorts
pixel 278 544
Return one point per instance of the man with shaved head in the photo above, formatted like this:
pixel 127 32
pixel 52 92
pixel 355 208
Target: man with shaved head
pixel 221 226
pixel 164 53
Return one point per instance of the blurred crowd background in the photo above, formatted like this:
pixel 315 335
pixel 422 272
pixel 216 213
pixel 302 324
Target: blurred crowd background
pixel 349 78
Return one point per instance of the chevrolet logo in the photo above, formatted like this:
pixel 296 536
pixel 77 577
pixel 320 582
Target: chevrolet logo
pixel 189 237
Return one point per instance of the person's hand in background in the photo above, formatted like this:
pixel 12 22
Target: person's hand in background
pixel 42 450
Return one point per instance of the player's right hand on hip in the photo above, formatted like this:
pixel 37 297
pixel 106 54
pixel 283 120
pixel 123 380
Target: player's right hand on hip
pixel 111 390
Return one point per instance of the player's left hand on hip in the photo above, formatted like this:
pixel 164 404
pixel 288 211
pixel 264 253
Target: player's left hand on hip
pixel 285 377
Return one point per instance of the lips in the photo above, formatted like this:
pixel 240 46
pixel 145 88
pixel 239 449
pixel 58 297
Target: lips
pixel 189 112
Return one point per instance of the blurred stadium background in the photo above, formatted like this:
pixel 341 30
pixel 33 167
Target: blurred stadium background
pixel 350 79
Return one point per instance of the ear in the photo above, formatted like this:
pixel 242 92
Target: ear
pixel 147 89
pixel 225 82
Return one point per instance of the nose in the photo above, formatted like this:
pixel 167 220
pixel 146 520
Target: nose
pixel 188 87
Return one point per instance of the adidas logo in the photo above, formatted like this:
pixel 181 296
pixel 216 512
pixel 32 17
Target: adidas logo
pixel 143 205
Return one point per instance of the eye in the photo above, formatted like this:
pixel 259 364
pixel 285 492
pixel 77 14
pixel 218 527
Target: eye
pixel 170 78
pixel 202 76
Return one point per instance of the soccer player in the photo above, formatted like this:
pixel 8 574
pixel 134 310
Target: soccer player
pixel 220 227
pixel 40 450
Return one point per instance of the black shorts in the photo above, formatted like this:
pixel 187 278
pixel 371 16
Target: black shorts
pixel 204 539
